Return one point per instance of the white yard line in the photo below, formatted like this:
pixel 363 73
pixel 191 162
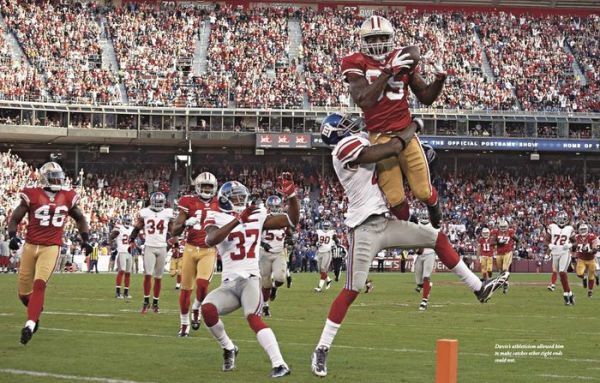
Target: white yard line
pixel 567 377
pixel 67 377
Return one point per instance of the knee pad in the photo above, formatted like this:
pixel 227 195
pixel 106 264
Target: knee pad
pixel 210 314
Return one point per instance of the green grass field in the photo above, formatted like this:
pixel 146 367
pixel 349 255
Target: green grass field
pixel 88 335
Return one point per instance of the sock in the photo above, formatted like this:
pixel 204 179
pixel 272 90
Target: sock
pixel 591 284
pixel 321 283
pixel 328 279
pixel 155 301
pixel 119 278
pixel 196 304
pixel 328 334
pixel 147 284
pixel 218 332
pixel 445 252
pixel 118 290
pixel 157 286
pixel 127 279
pixel 426 289
pixel 340 305
pixel 184 301
pixel 185 319
pixel 256 323
pixel 37 300
pixel 401 211
pixel 202 289
pixel 266 293
pixel 178 279
pixel 267 340
pixel 126 291
pixel 30 324
pixel 564 280
pixel 554 275
pixel 147 300
pixel 434 197
pixel 467 276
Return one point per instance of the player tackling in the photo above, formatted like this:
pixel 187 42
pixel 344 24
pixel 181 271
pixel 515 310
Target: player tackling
pixel 370 227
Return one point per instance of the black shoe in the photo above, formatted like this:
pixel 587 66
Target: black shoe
pixel 318 361
pixel 229 358
pixel 328 284
pixel 566 299
pixel 572 298
pixel 590 293
pixel 584 280
pixel 423 305
pixel 279 371
pixel 196 319
pixel 435 215
pixel 418 288
pixel 505 288
pixel 26 335
pixel 155 309
pixel 273 294
pixel 487 289
pixel 289 281
pixel 37 322
pixel 266 311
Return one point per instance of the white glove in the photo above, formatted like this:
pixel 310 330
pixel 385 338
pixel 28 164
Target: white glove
pixel 397 62
pixel 438 71
pixel 192 221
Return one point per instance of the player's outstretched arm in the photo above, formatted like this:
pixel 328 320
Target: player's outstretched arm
pixel 393 147
pixel 216 235
pixel 366 95
pixel 83 227
pixel 289 219
pixel 426 94
pixel 139 224
pixel 179 223
pixel 17 216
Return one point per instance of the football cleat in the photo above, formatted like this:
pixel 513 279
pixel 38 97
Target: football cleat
pixel 265 311
pixel 145 307
pixel 423 305
pixel 328 284
pixel 567 300
pixel 318 361
pixel 229 358
pixel 127 296
pixel 279 371
pixel 273 294
pixel 419 288
pixel 572 298
pixel 118 296
pixel 196 319
pixel 590 293
pixel 584 280
pixel 435 215
pixel 37 322
pixel 318 289
pixel 505 288
pixel 177 286
pixel 368 287
pixel 184 331
pixel 155 309
pixel 551 287
pixel 26 335
pixel 289 281
pixel 487 289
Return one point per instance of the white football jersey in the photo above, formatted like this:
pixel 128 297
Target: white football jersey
pixel 275 239
pixel 560 238
pixel 360 184
pixel 239 251
pixel 123 238
pixel 156 225
pixel 325 240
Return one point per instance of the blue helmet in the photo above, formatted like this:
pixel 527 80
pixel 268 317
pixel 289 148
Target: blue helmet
pixel 157 201
pixel 233 197
pixel 274 204
pixel 337 126
pixel 127 220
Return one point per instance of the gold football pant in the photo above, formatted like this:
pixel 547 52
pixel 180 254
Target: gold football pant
pixel 411 163
pixel 176 266
pixel 198 263
pixel 37 262
pixel 503 261
pixel 591 268
pixel 487 264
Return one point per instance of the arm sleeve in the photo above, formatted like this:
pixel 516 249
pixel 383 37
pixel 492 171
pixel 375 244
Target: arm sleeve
pixel 352 67
pixel 348 149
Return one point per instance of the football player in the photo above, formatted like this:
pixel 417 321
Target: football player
pixel 504 239
pixel 198 257
pixel 120 235
pixel 585 248
pixel 272 257
pixel 156 221
pixel 337 258
pixel 237 237
pixel 176 260
pixel 485 253
pixel 559 238
pixel 424 265
pixel 326 238
pixel 379 77
pixel 47 208
pixel 370 227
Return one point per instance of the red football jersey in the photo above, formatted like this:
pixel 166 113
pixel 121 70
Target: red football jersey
pixel 193 206
pixel 487 250
pixel 47 214
pixel 391 111
pixel 582 241
pixel 505 237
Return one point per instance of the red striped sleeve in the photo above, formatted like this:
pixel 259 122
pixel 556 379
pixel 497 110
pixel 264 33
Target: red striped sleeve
pixel 348 148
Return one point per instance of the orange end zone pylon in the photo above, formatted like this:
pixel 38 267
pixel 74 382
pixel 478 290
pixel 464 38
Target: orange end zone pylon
pixel 447 361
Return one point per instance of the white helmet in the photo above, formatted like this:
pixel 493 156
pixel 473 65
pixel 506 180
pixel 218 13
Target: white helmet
pixel 485 233
pixel 503 225
pixel 52 176
pixel 584 229
pixel 206 178
pixel 376 26
pixel 423 217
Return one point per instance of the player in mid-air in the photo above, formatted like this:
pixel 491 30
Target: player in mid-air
pixel 370 227
pixel 326 238
pixel 424 263
pixel 47 208
pixel 120 235
pixel 504 239
pixel 237 237
pixel 156 221
pixel 379 77
pixel 198 257
pixel 272 257
pixel 585 247
pixel 485 253
pixel 559 238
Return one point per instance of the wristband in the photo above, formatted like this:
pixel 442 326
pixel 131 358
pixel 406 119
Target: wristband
pixel 12 234
pixel 291 195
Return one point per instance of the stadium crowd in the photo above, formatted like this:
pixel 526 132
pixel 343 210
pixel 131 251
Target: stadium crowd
pixel 532 58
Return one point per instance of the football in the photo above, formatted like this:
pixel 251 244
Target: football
pixel 415 55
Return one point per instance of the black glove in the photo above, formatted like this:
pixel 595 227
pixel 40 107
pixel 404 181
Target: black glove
pixel 15 242
pixel 430 153
pixel 265 246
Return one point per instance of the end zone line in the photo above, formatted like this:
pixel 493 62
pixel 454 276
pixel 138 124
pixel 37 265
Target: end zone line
pixel 62 376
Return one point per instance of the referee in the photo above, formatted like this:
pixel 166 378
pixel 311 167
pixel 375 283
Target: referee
pixel 338 253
